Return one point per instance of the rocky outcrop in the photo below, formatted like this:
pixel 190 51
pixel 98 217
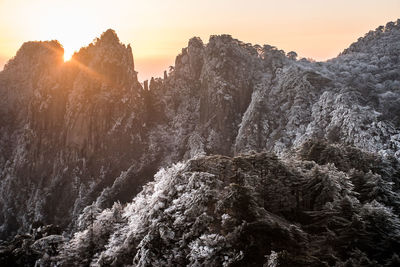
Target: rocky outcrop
pixel 252 98
pixel 66 129
pixel 25 250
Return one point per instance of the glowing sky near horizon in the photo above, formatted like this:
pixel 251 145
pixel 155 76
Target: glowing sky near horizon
pixel 158 30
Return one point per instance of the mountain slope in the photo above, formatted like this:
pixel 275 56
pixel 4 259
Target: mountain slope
pixel 247 210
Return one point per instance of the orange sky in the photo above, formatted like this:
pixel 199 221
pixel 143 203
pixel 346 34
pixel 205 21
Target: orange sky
pixel 157 30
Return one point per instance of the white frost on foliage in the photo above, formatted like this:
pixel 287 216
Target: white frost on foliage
pixel 173 209
pixel 272 259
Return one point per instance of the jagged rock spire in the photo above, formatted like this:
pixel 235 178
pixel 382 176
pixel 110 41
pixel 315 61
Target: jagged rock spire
pixel 109 36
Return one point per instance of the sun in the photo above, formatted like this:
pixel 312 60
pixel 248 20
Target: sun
pixel 72 27
pixel 68 54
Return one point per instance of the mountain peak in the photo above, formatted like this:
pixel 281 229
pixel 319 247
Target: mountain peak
pixel 34 52
pixel 109 58
pixel 196 42
pixel 377 40
pixel 109 37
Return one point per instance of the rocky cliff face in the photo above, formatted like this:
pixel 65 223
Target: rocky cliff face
pixel 77 137
pixel 68 129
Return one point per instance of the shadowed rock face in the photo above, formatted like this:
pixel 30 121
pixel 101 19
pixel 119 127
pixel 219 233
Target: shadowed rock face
pixel 85 133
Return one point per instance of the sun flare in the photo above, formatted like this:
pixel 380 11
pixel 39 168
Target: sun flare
pixel 68 54
pixel 73 32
